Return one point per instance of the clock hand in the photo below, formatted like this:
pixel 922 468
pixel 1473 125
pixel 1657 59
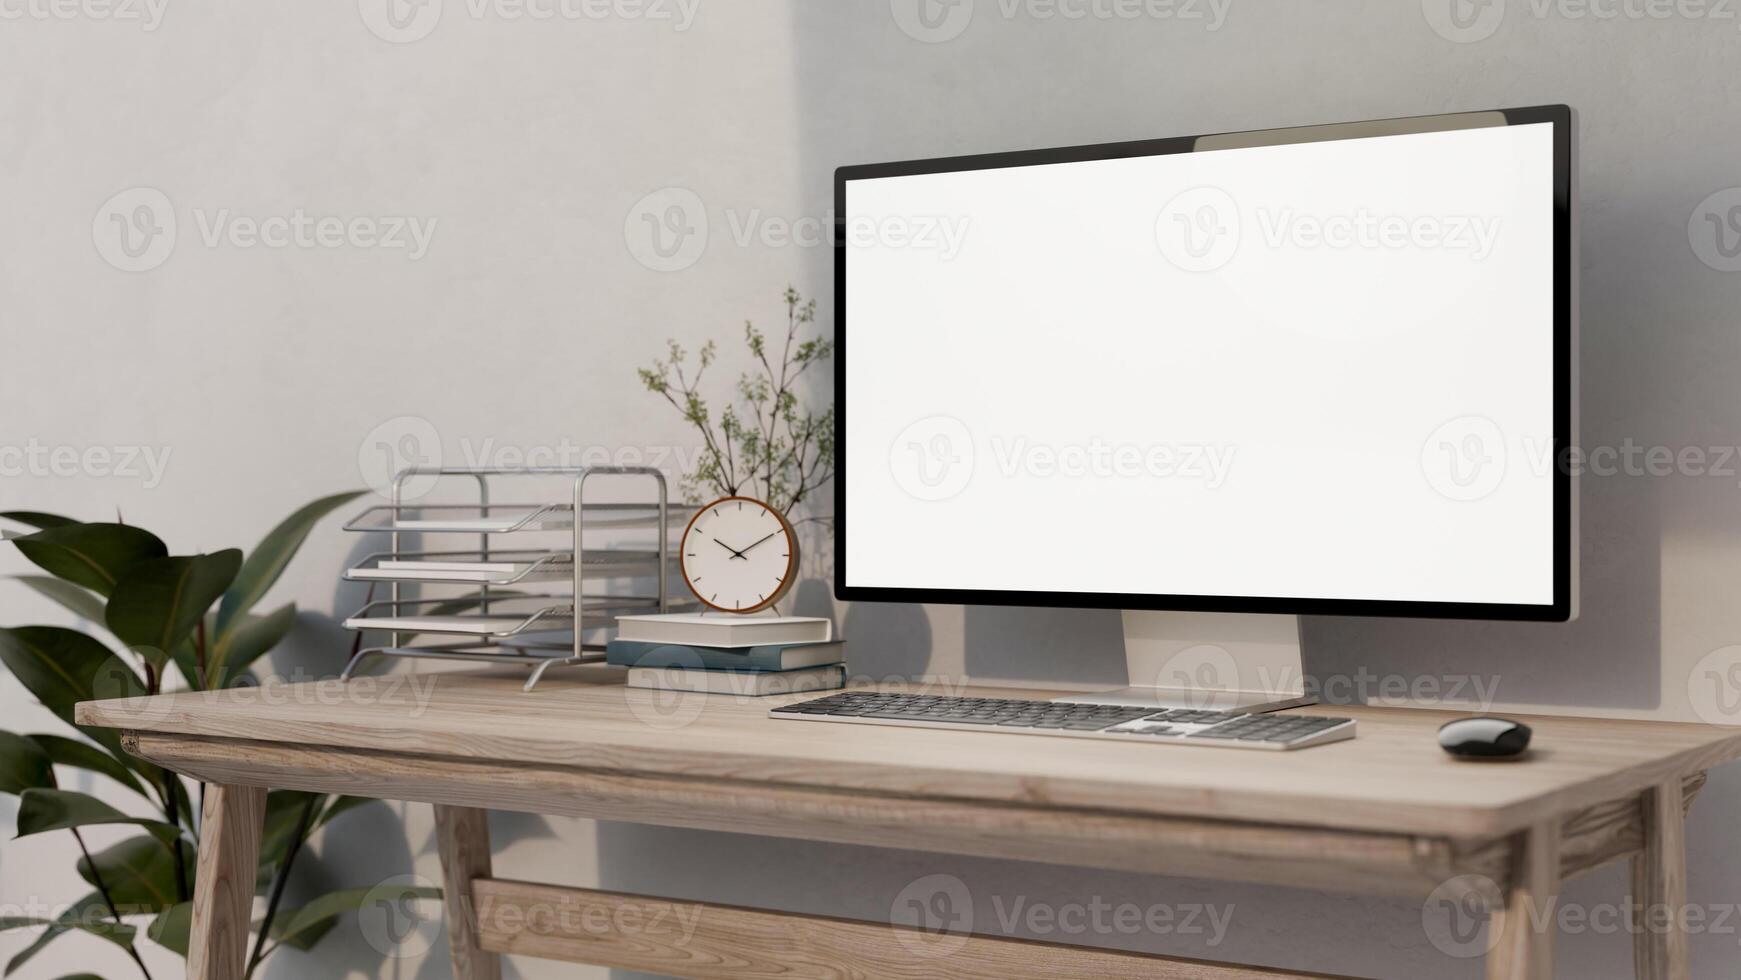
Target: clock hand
pixel 734 552
pixel 775 534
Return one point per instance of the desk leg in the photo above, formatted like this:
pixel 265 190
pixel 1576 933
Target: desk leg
pixel 463 837
pixel 223 896
pixel 1659 887
pixel 1525 926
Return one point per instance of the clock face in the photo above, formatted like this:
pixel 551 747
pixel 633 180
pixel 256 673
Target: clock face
pixel 739 555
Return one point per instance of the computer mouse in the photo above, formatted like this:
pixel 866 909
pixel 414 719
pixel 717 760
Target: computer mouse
pixel 1484 738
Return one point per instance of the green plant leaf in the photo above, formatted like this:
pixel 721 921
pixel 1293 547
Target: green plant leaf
pixel 186 660
pixel 270 557
pixel 172 926
pixel 88 914
pixel 283 810
pixel 23 765
pixel 76 599
pixel 139 873
pixel 62 667
pixel 157 604
pixel 342 805
pixel 305 939
pixel 95 556
pixel 79 755
pixel 44 810
pixel 36 519
pixel 251 638
pixel 323 910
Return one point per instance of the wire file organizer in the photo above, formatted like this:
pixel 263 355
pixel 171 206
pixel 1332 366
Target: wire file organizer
pixel 493 618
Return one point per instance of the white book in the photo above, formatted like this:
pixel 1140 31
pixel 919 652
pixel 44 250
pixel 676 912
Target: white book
pixel 744 683
pixel 725 629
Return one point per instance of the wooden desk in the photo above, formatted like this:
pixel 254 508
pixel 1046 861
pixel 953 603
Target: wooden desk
pixel 1385 813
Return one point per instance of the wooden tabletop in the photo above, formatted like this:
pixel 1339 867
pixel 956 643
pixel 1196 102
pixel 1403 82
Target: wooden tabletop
pixel 1392 778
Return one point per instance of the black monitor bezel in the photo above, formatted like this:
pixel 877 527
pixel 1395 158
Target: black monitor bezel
pixel 1565 551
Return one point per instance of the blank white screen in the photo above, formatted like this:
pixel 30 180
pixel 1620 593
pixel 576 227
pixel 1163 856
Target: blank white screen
pixel 1349 413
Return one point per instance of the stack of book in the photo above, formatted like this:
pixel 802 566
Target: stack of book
pixel 713 653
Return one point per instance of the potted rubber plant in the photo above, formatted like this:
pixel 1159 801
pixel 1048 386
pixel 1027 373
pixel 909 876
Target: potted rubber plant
pixel 158 622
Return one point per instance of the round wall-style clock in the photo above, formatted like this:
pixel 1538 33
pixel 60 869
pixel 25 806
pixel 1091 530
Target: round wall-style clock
pixel 739 555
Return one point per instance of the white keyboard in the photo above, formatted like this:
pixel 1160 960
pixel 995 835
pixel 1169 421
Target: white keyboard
pixel 1181 726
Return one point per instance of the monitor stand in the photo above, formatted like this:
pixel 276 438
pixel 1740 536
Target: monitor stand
pixel 1209 661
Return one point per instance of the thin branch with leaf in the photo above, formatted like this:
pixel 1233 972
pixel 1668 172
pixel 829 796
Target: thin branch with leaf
pixel 765 443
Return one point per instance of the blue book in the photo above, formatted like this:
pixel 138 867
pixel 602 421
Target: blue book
pixel 770 657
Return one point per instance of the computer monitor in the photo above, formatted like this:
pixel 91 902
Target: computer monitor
pixel 1321 370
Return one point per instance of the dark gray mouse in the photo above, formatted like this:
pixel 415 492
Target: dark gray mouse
pixel 1484 738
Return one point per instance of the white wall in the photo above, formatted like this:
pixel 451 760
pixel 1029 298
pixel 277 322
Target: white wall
pixel 266 373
